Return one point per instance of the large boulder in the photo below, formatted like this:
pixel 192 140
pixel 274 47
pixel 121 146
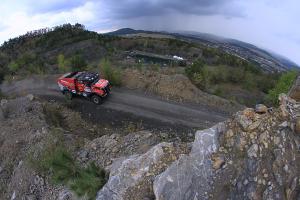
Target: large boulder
pixel 190 177
pixel 131 178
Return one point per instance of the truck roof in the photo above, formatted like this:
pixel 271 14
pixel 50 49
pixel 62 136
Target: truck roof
pixel 86 76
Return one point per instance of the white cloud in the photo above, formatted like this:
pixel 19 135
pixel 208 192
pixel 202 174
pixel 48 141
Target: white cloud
pixel 19 22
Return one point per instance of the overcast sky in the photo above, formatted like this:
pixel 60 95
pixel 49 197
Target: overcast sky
pixel 271 24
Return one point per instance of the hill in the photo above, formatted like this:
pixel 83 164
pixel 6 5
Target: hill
pixel 268 61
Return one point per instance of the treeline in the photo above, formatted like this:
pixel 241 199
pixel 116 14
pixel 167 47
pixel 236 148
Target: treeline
pixel 215 56
pixel 248 76
pixel 40 32
pixel 58 35
pixel 34 52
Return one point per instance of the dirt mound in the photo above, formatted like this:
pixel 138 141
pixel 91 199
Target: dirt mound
pixel 175 87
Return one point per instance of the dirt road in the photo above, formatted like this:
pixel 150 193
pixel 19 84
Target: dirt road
pixel 122 103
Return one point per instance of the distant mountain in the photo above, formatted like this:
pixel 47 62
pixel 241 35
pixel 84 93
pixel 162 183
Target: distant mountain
pixel 126 31
pixel 267 60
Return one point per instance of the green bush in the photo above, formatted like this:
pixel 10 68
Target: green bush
pixel 83 181
pixel 63 168
pixel 195 68
pixel 62 63
pixel 109 73
pixel 88 181
pixel 13 67
pixel 282 86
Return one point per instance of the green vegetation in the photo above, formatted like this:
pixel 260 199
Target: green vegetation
pixel 248 76
pixel 111 74
pixel 13 67
pixel 222 79
pixel 77 62
pixel 63 64
pixel 56 159
pixel 40 51
pixel 28 63
pixel 282 86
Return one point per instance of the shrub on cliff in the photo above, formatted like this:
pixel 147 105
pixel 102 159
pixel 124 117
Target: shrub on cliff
pixel 282 86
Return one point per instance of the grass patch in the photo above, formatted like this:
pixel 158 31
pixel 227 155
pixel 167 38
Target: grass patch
pixel 55 159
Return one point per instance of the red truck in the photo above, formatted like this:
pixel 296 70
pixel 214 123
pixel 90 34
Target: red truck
pixel 87 84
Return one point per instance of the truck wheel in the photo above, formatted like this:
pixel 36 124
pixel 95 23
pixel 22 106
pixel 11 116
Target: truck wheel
pixel 68 95
pixel 96 99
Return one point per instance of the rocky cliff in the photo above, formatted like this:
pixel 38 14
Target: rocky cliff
pixel 253 155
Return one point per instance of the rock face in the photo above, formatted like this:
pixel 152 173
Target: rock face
pixel 254 155
pixel 108 147
pixel 262 155
pixel 130 178
pixel 294 92
pixel 190 177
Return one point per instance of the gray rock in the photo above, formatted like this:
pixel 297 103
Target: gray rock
pixel 252 151
pixel 261 108
pixel 295 90
pixel 83 155
pixel 65 195
pixel 3 102
pixel 13 196
pixel 127 174
pixel 30 97
pixel 283 124
pixel 191 175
